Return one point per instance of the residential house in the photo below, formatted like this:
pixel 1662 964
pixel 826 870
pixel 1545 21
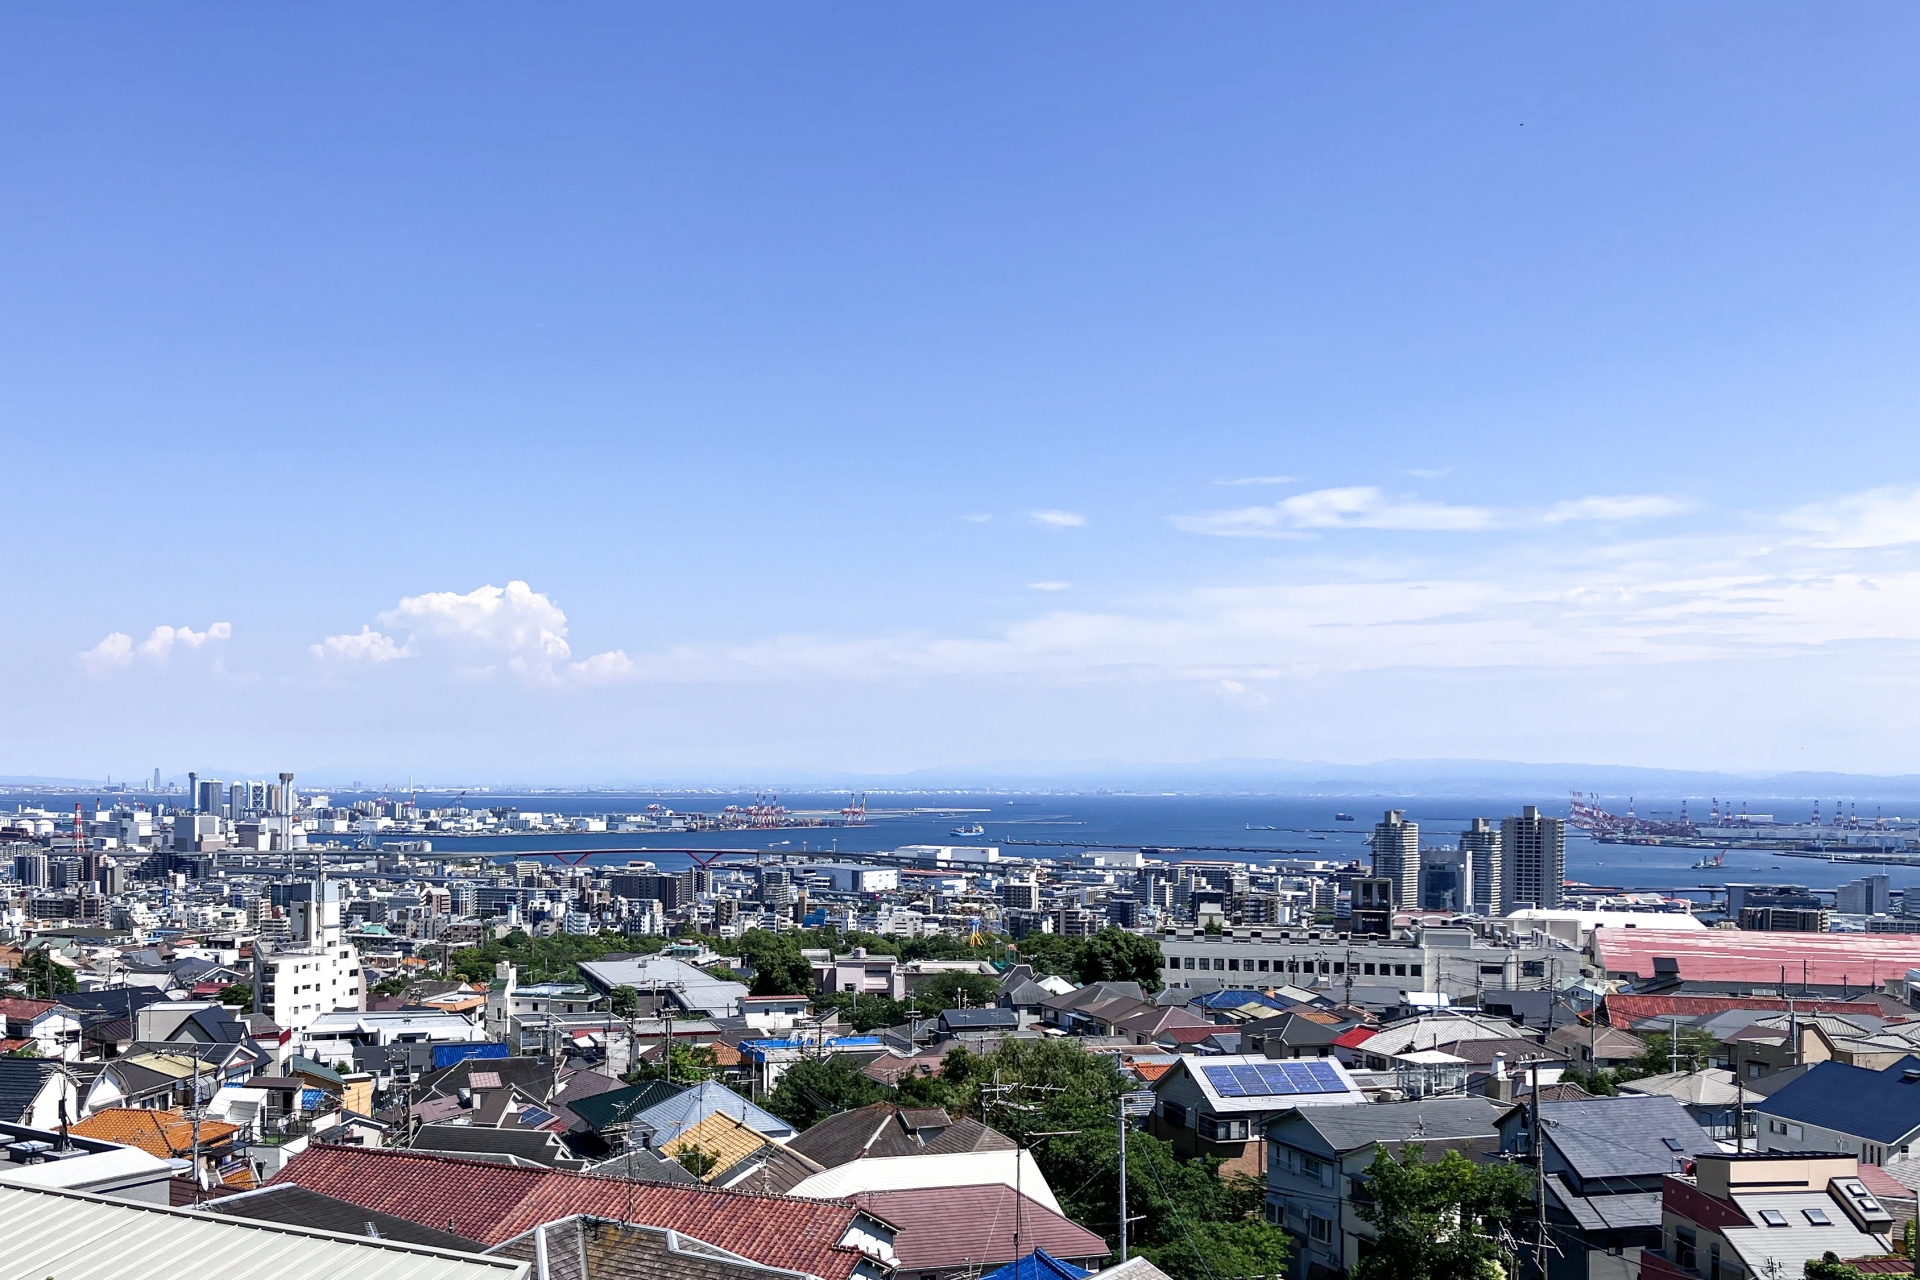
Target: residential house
pixel 495 1203
pixel 1874 1115
pixel 951 1232
pixel 1288 1035
pixel 1317 1161
pixel 861 974
pixel 1221 1107
pixel 1604 1162
pixel 599 1248
pixel 1095 1008
pixel 722 1152
pixel 1760 1216
pixel 669 1118
pixel 1712 1096
pixel 51 1030
pixel 884 1129
pixel 1016 1170
pixel 32 1091
pixel 174 1135
pixel 1595 1048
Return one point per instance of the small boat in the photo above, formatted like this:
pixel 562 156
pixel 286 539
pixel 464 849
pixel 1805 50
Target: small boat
pixel 971 829
pixel 1343 817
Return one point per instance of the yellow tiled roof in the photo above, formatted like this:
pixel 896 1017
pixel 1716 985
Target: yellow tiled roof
pixel 720 1136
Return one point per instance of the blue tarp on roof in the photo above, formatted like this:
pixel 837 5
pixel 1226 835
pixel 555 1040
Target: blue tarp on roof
pixel 1237 997
pixel 445 1055
pixel 1038 1265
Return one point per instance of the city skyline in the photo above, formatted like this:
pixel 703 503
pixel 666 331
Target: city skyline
pixel 635 396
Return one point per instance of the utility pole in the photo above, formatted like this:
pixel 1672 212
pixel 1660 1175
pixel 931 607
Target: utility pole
pixel 1739 1109
pixel 1539 1180
pixel 1120 1105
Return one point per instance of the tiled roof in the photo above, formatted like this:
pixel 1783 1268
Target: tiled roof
pixel 1355 1038
pixel 973 1226
pixel 1734 955
pixel 1880 1106
pixel 16 1007
pixel 719 1136
pixel 165 1134
pixel 492 1203
pixel 617 1106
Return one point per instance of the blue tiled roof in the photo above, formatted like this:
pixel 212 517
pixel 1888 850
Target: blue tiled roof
pixel 1880 1106
pixel 1236 997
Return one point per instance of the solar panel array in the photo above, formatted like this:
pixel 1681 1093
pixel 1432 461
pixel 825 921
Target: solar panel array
pixel 1275 1079
pixel 535 1118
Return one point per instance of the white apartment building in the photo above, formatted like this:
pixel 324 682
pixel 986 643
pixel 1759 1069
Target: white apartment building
pixel 1450 959
pixel 315 971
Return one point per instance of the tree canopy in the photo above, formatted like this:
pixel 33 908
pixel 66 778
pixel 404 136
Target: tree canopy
pixel 811 1090
pixel 1435 1220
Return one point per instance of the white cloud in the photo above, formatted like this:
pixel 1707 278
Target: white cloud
pixel 978 517
pixel 1235 691
pixel 478 633
pixel 114 651
pixel 1060 519
pixel 117 649
pixel 1049 586
pixel 1258 480
pixel 1875 518
pixel 366 646
pixel 1355 507
pixel 1429 473
pixel 1615 507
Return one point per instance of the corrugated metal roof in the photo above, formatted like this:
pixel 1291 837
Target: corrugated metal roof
pixel 82 1237
pixel 953 1169
pixel 1734 955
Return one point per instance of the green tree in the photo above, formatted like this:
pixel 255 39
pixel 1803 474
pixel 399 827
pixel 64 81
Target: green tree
pixel 813 1089
pixel 684 1064
pixel 697 1161
pixel 554 959
pixel 238 994
pixel 865 1010
pixel 1697 1050
pixel 44 977
pixel 623 1001
pixel 1829 1267
pixel 778 967
pixel 1115 955
pixel 1435 1220
pixel 1050 953
pixel 1248 1249
pixel 391 987
pixel 954 991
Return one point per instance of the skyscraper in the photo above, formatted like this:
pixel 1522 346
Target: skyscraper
pixel 1534 851
pixel 1481 843
pixel 1396 857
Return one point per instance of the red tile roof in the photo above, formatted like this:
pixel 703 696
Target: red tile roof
pixel 1735 955
pixel 1356 1037
pixel 16 1007
pixel 492 1203
pixel 1883 1184
pixel 973 1227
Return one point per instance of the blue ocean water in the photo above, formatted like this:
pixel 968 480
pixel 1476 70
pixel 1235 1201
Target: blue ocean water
pixel 1239 827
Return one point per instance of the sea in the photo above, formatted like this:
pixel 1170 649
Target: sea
pixel 1257 829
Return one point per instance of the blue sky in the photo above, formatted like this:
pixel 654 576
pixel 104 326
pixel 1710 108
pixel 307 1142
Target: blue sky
pixel 641 393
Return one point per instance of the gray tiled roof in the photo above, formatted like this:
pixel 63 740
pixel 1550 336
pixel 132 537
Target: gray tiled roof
pixel 1431 1120
pixel 1623 1136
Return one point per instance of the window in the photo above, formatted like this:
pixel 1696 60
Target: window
pixel 1674 1144
pixel 1414 969
pixel 1773 1217
pixel 1683 1247
pixel 1399 971
pixel 1321 1229
pixel 1339 966
pixel 1189 962
pixel 1173 1112
pixel 1367 969
pixel 1263 966
pixel 1533 968
pixel 1818 1217
pixel 1776 1126
pixel 1220 1128
pixel 1234 964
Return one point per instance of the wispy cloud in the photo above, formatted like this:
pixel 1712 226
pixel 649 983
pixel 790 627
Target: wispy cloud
pixel 1049 586
pixel 1428 473
pixel 1615 507
pixel 478 633
pixel 1370 507
pixel 117 649
pixel 1059 519
pixel 1258 480
pixel 1874 518
pixel 1357 507
pixel 978 517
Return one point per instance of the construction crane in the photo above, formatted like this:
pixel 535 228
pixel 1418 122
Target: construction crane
pixel 855 813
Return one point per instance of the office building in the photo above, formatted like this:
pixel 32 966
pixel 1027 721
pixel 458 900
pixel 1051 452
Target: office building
pixel 1481 844
pixel 1371 911
pixel 1867 896
pixel 1446 880
pixel 1533 853
pixel 1396 857
pixel 209 797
